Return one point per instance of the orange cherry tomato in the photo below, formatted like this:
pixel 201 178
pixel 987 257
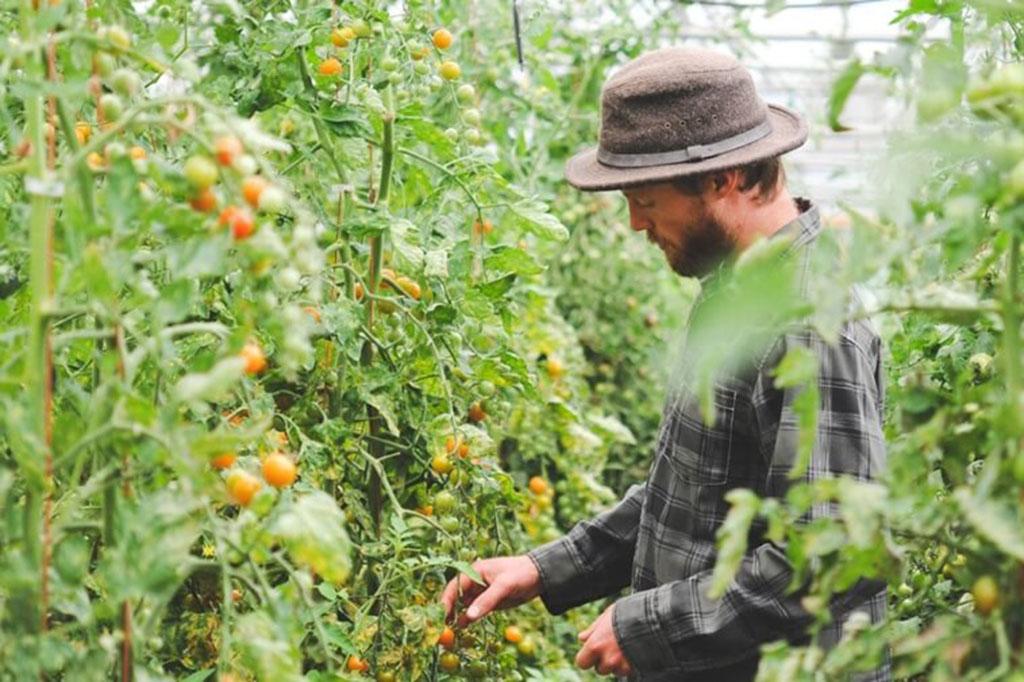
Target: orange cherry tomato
pixel 255 360
pixel 279 470
pixel 227 148
pixel 252 188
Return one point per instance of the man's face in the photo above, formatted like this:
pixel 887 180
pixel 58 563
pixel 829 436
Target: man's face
pixel 693 241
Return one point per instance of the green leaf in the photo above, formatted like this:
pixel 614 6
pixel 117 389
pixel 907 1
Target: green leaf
pixel 997 522
pixel 435 263
pixel 496 289
pixel 805 407
pixel 824 536
pixel 327 591
pixel 732 538
pixel 266 649
pixel 151 557
pixel 223 439
pixel 197 258
pixel 386 408
pixel 211 385
pixel 862 506
pixel 533 217
pixel 345 121
pixel 798 367
pixel 313 531
pixel 612 427
pixel 405 239
pixel 510 259
pixel 463 567
pixel 841 91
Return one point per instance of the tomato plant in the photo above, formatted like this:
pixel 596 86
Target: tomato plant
pixel 251 238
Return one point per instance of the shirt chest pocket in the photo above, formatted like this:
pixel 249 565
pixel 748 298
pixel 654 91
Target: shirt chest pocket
pixel 700 453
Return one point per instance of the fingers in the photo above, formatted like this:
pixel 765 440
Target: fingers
pixel 586 658
pixel 609 664
pixel 460 584
pixel 490 599
pixel 586 633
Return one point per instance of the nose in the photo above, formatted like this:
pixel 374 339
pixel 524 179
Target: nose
pixel 637 220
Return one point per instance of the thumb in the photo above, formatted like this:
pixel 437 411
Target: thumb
pixel 586 633
pixel 488 600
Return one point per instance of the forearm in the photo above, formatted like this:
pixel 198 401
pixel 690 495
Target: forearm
pixel 594 559
pixel 678 625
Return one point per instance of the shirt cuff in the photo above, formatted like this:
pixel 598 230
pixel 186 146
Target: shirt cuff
pixel 637 626
pixel 559 569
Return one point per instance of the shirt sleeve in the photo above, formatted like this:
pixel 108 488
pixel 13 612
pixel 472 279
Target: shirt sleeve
pixel 594 559
pixel 676 625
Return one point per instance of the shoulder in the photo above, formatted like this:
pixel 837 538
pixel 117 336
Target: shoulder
pixel 854 350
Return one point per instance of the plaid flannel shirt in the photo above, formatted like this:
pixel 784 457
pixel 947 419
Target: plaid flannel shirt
pixel 660 538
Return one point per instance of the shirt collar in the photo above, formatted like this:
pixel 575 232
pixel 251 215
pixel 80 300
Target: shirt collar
pixel 804 228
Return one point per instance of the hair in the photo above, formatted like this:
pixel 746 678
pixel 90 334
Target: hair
pixel 767 176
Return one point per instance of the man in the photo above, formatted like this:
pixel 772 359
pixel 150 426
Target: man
pixel 695 151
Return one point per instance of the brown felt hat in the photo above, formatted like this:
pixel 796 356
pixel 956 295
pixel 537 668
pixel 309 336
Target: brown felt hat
pixel 681 111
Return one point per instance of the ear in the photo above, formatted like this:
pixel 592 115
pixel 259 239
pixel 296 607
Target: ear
pixel 720 184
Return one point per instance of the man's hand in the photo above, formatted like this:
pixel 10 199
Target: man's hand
pixel 600 648
pixel 509 581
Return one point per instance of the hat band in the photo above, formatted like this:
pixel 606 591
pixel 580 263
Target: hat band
pixel 694 152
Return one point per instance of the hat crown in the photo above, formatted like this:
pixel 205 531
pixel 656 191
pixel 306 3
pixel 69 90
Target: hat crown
pixel 675 98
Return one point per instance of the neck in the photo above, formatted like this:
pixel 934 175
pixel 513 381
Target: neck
pixel 755 221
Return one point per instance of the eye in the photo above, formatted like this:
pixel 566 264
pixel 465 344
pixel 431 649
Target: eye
pixel 640 203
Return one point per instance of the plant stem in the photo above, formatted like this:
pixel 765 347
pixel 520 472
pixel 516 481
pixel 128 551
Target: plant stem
pixel 38 365
pixel 1011 329
pixel 374 494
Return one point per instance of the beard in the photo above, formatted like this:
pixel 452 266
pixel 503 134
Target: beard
pixel 704 249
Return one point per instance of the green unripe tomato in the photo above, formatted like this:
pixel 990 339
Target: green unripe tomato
pixel 389 64
pixel 986 594
pixel 476 670
pixel 444 502
pixel 119 38
pixel 526 647
pixel 450 524
pixel 164 12
pixel 487 388
pixel 466 93
pixel 471 116
pixel 922 581
pixel 452 134
pixel 126 82
pixel 361 28
pixel 472 136
pixel 105 64
pixel 200 172
pixel 115 150
pixel 449 661
pixel 111 106
pixel 395 78
pixel 272 199
pixel 1018 467
pixel 421 68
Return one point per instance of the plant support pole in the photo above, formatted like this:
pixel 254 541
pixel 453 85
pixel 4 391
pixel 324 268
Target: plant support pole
pixel 42 187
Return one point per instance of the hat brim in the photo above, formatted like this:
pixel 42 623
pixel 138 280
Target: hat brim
pixel 789 131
